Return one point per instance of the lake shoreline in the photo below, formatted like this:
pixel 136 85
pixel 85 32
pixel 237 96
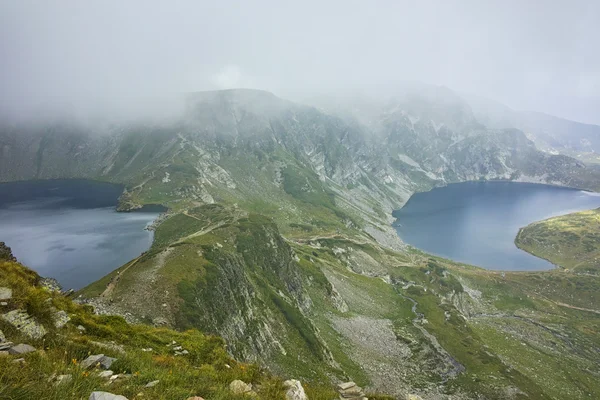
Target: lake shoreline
pixel 400 222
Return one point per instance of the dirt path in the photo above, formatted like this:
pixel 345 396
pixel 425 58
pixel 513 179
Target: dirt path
pixel 113 282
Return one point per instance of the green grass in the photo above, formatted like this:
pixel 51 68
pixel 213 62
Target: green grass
pixel 571 241
pixel 207 370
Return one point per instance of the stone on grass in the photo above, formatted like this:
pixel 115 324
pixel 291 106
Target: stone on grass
pixel 240 387
pixel 6 346
pixel 294 390
pixel 413 397
pixel 105 374
pixel 106 362
pixel 152 384
pixel 350 390
pixel 195 398
pixel 2 337
pixel 98 360
pixel 24 323
pixel 5 293
pixel 106 396
pixel 346 385
pixel 92 361
pixel 21 349
pixel 60 319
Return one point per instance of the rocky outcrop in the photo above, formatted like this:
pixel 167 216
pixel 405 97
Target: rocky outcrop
pixel 294 390
pixel 25 323
pixel 239 387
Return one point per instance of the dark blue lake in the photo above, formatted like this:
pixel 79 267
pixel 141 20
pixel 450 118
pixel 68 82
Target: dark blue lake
pixel 69 229
pixel 477 222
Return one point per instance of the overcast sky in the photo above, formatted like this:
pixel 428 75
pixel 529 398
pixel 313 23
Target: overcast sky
pixel 535 55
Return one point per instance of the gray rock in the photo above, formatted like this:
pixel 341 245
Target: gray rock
pixel 61 318
pixel 240 387
pixel 106 362
pixel 294 390
pixel 92 361
pixel 80 328
pixel 19 361
pixel 2 337
pixel 21 349
pixel 3 303
pixel 346 385
pixel 5 293
pixel 350 391
pixel 98 360
pixel 106 396
pixel 105 374
pixel 6 345
pixel 25 324
pixel 152 384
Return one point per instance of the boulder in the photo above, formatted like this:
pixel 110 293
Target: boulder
pixel 61 318
pixel 25 324
pixel 5 293
pixel 105 374
pixel 6 345
pixel 294 390
pixel 107 362
pixel 240 387
pixel 21 349
pixel 106 396
pixel 98 360
pixel 92 361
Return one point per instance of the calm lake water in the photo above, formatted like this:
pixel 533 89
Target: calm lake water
pixel 477 222
pixel 69 229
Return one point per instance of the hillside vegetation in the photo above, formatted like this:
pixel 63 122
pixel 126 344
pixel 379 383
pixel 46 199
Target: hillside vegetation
pixel 570 241
pixel 56 368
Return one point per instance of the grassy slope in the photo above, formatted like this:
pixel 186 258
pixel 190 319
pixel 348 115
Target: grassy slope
pixel 570 241
pixel 207 370
pixel 521 335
